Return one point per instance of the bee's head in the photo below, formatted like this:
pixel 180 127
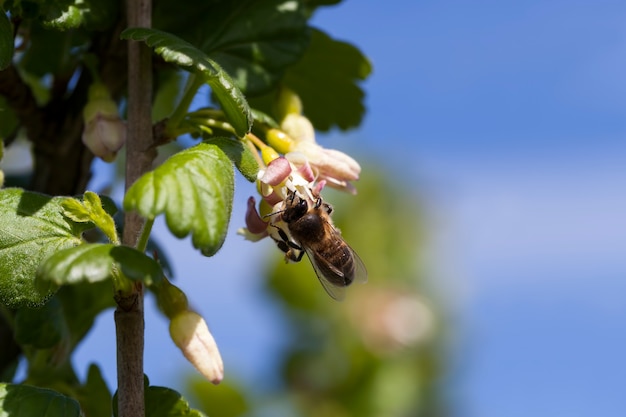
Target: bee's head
pixel 295 207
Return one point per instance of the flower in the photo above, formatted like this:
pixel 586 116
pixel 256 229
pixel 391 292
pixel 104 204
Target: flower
pixel 282 175
pixel 304 168
pixel 105 132
pixel 191 334
pixel 297 135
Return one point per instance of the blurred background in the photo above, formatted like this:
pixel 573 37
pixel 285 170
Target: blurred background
pixel 490 215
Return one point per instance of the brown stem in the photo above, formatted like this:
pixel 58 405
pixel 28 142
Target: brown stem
pixel 129 316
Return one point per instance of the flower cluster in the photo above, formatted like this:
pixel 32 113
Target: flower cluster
pixel 304 168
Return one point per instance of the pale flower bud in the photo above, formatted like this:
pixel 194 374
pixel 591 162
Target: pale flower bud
pixel 104 132
pixel 334 166
pixel 192 336
pixel 298 127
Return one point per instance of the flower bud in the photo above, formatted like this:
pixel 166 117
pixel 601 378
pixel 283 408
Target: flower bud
pixel 279 140
pixel 268 154
pixel 288 103
pixel 192 336
pixel 298 127
pixel 104 132
pixel 170 299
pixel 334 166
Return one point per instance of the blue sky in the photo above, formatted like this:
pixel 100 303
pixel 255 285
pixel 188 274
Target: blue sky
pixel 508 120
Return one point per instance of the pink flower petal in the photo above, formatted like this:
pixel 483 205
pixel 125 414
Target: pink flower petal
pixel 277 171
pixel 254 222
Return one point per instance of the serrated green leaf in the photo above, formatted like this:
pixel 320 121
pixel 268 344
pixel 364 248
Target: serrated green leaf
pixel 74 210
pixel 99 216
pixel 188 57
pixel 194 188
pixel 32 227
pixel 95 262
pixel 62 16
pixel 28 401
pixel 326 79
pixel 240 154
pixel 6 40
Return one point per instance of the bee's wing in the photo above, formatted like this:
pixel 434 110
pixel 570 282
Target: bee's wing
pixel 334 280
pixel 325 273
pixel 360 272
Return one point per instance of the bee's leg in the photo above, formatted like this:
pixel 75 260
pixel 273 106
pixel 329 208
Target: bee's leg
pixel 288 246
pixel 327 207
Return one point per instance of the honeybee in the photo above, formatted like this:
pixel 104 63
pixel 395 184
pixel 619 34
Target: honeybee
pixel 312 231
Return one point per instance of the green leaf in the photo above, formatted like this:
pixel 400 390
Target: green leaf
pixel 32 227
pixel 194 188
pixel 41 327
pixel 264 118
pixel 240 154
pixel 6 40
pixel 91 209
pixel 163 402
pixel 188 57
pixel 28 401
pixel 94 396
pixel 326 79
pixel 75 210
pixel 256 40
pixel 63 17
pixel 82 303
pixel 47 51
pixel 95 262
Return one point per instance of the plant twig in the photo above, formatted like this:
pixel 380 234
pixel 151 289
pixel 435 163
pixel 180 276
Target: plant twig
pixel 129 315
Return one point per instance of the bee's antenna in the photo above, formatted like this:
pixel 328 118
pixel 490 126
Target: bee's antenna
pixel 274 213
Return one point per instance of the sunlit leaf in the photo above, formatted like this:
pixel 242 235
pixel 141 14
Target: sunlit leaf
pixel 62 16
pixel 32 227
pixel 240 155
pixel 91 209
pixel 94 262
pixel 194 188
pixel 188 57
pixel 28 401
